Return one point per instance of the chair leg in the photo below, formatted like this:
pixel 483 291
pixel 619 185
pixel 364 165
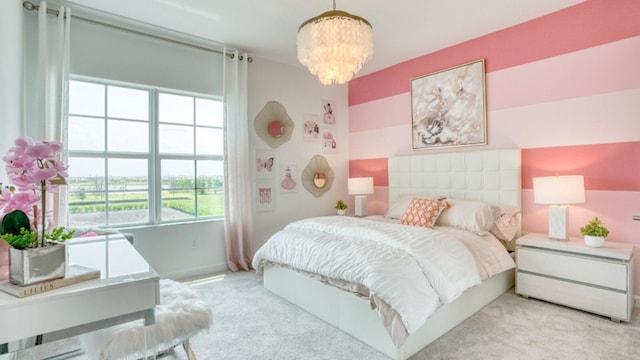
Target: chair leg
pixel 191 355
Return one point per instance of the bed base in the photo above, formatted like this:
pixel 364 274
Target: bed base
pixel 354 316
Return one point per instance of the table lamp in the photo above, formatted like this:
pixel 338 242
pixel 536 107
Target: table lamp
pixel 360 187
pixel 558 191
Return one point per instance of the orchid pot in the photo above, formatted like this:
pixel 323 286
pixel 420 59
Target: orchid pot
pixel 30 266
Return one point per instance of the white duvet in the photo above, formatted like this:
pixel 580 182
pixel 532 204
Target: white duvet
pixel 412 269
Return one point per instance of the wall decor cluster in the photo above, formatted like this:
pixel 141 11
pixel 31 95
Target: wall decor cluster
pixel 273 124
pixel 317 176
pixel 448 107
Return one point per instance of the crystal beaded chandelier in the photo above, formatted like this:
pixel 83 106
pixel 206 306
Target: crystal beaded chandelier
pixel 334 45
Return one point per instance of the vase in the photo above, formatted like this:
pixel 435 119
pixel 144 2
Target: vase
pixel 593 241
pixel 342 212
pixel 30 266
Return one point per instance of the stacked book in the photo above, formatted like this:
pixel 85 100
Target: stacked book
pixel 74 275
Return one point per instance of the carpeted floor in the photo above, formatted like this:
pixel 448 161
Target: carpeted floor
pixel 251 323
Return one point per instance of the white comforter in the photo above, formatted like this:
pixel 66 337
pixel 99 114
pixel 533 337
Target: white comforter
pixel 412 269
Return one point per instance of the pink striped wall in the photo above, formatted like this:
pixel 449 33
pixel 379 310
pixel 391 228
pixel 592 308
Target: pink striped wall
pixel 563 87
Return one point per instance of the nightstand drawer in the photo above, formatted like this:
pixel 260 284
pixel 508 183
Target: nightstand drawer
pixel 600 301
pixel 596 271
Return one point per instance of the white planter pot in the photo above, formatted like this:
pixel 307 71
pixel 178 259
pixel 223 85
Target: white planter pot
pixel 32 266
pixel 342 212
pixel 593 241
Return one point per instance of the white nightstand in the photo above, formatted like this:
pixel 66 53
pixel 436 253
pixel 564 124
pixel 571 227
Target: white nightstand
pixel 598 280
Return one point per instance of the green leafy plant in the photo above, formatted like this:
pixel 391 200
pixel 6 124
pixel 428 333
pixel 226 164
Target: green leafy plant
pixel 340 205
pixel 16 230
pixel 594 228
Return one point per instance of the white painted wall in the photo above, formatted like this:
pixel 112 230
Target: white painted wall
pixel 300 93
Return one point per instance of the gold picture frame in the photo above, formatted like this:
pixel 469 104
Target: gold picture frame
pixel 448 107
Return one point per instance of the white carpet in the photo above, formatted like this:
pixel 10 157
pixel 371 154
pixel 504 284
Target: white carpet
pixel 251 323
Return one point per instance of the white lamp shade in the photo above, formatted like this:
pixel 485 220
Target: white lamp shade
pixel 558 190
pixel 360 186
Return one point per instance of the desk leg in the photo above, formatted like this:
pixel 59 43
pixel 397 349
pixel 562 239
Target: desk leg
pixel 152 356
pixel 149 317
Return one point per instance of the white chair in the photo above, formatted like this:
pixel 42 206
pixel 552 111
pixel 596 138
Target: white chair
pixel 180 315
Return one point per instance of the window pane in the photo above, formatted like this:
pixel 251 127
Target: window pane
pixel 128 191
pixel 128 174
pixel 210 193
pixel 86 98
pixel 175 139
pixel 128 206
pixel 128 103
pixel 129 136
pixel 209 141
pixel 86 191
pixel 177 174
pixel 86 133
pixel 209 112
pixel 178 204
pixel 178 187
pixel 175 109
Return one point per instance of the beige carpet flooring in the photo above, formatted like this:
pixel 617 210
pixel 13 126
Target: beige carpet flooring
pixel 251 323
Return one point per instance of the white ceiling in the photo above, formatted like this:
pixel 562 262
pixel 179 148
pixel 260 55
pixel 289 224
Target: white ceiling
pixel 403 29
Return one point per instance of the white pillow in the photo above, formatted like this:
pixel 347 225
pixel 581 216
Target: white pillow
pixel 475 216
pixel 399 207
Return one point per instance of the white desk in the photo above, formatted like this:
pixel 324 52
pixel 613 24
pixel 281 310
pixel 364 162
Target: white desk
pixel 128 289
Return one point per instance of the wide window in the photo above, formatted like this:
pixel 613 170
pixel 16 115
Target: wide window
pixel 141 155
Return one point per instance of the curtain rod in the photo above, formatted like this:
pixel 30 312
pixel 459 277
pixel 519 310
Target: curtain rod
pixel 31 6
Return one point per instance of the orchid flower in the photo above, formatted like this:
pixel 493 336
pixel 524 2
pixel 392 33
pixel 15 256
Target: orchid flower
pixel 32 167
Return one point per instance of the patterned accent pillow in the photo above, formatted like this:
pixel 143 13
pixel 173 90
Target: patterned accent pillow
pixel 507 224
pixel 423 212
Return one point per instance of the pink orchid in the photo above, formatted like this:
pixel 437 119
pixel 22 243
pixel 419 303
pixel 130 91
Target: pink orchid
pixel 33 168
pixel 23 141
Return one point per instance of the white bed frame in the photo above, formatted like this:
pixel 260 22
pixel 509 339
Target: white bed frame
pixel 489 175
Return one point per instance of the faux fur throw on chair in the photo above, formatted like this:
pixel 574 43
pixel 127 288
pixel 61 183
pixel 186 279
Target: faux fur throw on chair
pixel 180 315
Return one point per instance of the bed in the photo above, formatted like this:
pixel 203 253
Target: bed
pixel 472 179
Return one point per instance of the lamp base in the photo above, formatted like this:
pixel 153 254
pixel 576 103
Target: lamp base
pixel 559 222
pixel 361 205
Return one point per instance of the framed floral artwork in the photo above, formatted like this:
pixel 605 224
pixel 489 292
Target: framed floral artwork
pixel 448 107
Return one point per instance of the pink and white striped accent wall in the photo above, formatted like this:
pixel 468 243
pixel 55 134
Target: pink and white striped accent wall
pixel 564 87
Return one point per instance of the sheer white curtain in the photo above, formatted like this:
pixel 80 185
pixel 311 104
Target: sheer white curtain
pixel 238 209
pixel 52 92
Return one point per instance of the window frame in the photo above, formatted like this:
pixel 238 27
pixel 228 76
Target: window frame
pixel 153 157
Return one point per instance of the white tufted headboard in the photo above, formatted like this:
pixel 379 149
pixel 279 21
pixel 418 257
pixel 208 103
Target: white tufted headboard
pixel 486 175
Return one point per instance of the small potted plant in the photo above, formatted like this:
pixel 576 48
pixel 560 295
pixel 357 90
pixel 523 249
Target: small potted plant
pixel 594 233
pixel 341 207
